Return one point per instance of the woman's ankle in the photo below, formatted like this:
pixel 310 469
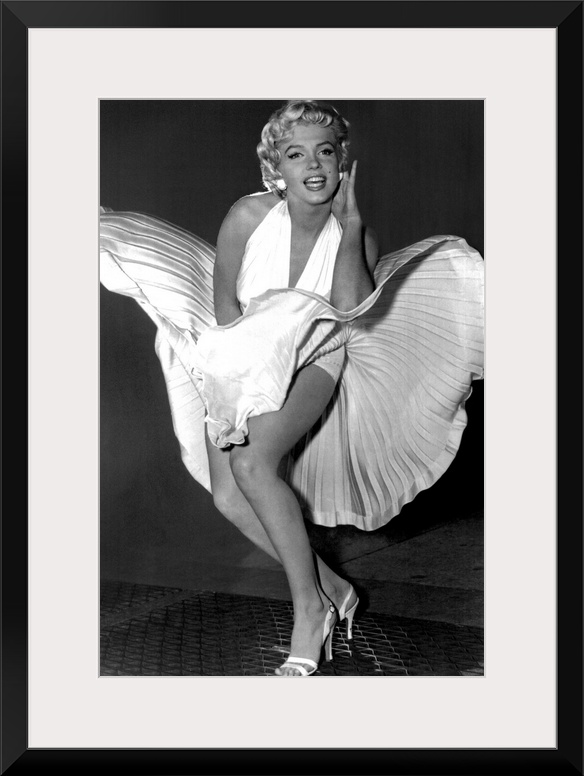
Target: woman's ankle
pixel 334 586
pixel 311 607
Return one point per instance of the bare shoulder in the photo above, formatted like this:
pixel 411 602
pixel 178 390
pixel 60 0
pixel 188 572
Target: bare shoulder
pixel 240 223
pixel 249 211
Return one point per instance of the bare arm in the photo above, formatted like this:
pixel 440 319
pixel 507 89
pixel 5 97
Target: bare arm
pixel 231 241
pixel 357 253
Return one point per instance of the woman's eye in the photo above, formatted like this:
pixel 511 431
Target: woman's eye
pixel 327 151
pixel 293 155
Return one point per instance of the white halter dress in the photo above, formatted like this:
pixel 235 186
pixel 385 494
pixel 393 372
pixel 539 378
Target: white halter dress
pixel 413 347
pixel 266 259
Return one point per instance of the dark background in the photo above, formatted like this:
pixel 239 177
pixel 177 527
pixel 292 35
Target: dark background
pixel 420 173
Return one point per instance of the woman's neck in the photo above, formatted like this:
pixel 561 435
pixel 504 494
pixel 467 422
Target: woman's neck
pixel 309 218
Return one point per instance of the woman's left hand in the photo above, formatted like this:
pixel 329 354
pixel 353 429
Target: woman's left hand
pixel 345 202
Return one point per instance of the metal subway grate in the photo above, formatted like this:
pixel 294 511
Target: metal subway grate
pixel 118 598
pixel 153 631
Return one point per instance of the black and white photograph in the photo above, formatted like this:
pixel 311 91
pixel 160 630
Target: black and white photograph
pixel 291 355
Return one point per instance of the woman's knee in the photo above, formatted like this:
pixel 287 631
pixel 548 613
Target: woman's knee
pixel 248 467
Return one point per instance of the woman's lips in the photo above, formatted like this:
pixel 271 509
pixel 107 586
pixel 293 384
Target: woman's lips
pixel 315 182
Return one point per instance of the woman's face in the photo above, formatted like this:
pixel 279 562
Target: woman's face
pixel 309 163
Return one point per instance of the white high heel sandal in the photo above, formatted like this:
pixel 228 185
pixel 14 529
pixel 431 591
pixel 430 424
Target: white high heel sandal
pixel 350 614
pixel 299 663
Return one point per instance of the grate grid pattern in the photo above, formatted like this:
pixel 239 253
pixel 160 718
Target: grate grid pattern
pixel 153 631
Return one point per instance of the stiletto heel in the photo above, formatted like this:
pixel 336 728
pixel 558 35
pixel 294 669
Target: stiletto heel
pixel 299 663
pixel 328 644
pixel 349 615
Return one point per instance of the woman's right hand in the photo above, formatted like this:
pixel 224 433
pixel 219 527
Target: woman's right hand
pixel 345 207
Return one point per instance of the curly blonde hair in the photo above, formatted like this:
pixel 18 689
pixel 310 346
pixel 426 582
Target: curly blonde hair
pixel 281 125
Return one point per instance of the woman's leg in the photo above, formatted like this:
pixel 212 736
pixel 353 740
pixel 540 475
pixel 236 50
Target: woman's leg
pixel 233 505
pixel 231 502
pixel 255 468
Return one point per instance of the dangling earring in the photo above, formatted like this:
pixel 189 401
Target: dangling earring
pixel 341 175
pixel 280 183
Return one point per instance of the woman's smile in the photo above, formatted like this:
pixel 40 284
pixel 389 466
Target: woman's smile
pixel 315 182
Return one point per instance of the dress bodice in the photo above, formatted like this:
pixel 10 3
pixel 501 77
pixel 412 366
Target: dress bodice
pixel 266 260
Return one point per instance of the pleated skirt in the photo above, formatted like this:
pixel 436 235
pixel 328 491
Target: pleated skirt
pixel 413 348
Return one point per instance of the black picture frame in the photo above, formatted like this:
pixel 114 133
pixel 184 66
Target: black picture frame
pixel 566 17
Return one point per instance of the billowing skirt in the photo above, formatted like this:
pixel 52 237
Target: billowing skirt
pixel 395 421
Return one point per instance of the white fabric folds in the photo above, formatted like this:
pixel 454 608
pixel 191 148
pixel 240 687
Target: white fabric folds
pixel 396 419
